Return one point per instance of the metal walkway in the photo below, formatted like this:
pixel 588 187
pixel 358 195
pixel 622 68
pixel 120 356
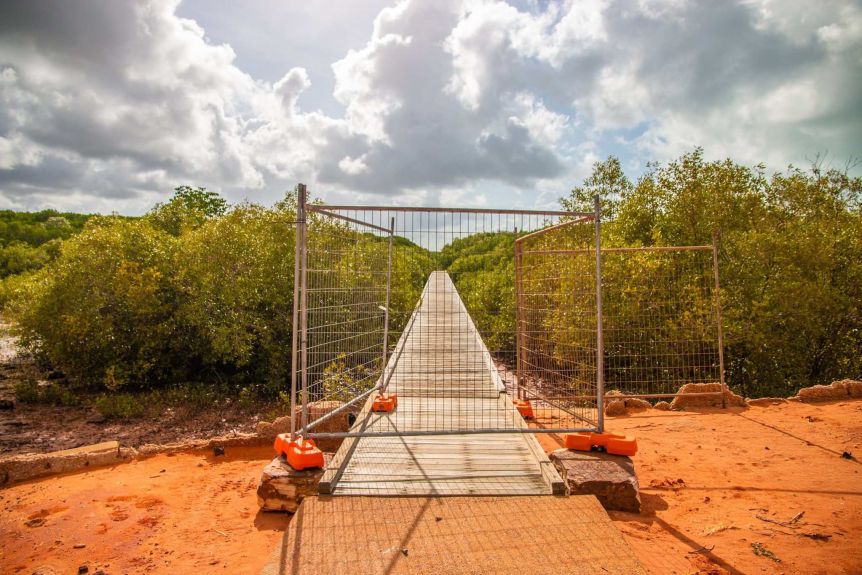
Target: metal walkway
pixel 446 381
pixel 453 536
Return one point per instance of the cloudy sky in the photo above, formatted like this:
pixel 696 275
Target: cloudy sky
pixel 106 105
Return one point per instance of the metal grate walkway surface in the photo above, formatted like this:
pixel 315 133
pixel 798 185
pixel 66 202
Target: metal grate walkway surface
pixel 453 536
pixel 447 386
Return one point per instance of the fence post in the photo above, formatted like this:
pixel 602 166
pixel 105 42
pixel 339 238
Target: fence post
pixel 386 311
pixel 294 327
pixel 519 319
pixel 303 306
pixel 600 337
pixel 718 320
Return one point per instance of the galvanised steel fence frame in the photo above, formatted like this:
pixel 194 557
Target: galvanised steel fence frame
pixel 459 363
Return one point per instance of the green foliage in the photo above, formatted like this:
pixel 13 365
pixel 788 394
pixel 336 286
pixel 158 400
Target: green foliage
pixel 120 406
pixel 29 240
pixel 237 299
pixel 340 380
pixel 790 260
pixel 199 291
pixel 189 208
pixel 608 181
pixel 29 391
pixel 104 310
pixel 190 292
pixel 482 269
pixel 37 228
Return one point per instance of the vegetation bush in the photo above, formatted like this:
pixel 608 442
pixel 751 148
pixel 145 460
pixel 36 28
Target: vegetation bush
pixel 29 391
pixel 29 240
pixel 482 269
pixel 193 291
pixel 790 258
pixel 105 309
pixel 234 277
pixel 120 406
pixel 200 291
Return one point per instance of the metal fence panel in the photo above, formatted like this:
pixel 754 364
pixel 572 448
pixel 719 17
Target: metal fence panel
pixel 414 302
pixel 475 317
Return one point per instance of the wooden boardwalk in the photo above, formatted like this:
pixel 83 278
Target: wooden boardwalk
pixel 446 382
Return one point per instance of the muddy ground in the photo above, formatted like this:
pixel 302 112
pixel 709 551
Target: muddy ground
pixel 758 490
pixel 38 428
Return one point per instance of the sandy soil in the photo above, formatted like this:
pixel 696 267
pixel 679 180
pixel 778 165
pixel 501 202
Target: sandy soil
pixel 189 513
pixel 713 485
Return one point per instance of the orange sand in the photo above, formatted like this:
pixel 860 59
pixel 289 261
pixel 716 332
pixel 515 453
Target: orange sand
pixel 200 514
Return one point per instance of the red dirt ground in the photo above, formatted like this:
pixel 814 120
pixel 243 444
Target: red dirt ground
pixel 713 483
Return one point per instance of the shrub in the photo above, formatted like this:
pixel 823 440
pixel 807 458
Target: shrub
pixel 29 391
pixel 235 275
pixel 120 406
pixel 104 310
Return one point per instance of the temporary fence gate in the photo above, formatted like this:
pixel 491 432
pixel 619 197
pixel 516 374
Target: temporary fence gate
pixel 473 317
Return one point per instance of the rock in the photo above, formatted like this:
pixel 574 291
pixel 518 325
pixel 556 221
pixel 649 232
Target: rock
pixel 83 570
pixel 31 465
pixel 815 393
pixel 683 400
pixel 270 430
pixel 283 488
pixel 662 406
pixel 635 403
pixel 55 374
pixel 615 407
pixel 218 450
pixel 854 388
pixel 611 478
pixel 7 405
pixel 621 406
pixel 78 546
pixel 45 570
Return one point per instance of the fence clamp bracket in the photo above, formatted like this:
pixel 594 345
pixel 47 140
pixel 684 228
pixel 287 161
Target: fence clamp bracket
pixel 384 403
pixel 609 442
pixel 300 453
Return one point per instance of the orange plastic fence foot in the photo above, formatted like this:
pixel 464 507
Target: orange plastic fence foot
pixel 525 408
pixel 384 403
pixel 300 453
pixel 609 442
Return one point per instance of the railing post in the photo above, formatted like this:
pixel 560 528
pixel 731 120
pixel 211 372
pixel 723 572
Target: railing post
pixel 303 306
pixel 294 328
pixel 718 320
pixel 386 311
pixel 519 319
pixel 600 339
